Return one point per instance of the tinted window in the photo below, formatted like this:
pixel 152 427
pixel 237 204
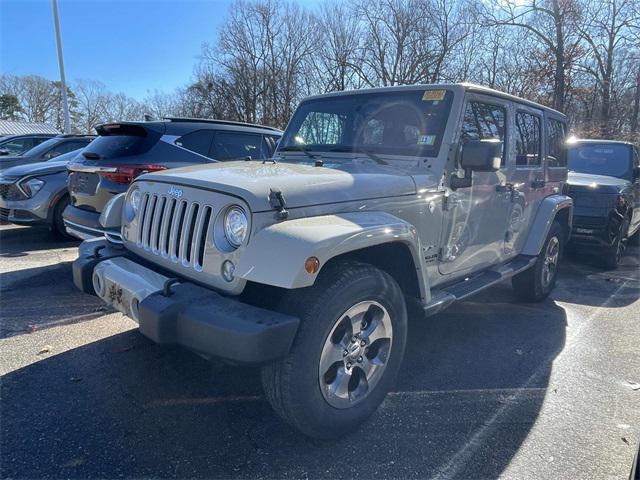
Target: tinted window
pixel 557 156
pixel 269 145
pixel 611 159
pixel 484 121
pixel 235 146
pixel 409 122
pixel 114 146
pixel 42 148
pixel 18 146
pixel 527 139
pixel 198 141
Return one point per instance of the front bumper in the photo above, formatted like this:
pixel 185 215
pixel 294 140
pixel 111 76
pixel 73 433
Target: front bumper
pixel 595 231
pixel 28 211
pixel 183 314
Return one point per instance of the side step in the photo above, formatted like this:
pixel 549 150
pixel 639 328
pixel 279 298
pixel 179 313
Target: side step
pixel 441 299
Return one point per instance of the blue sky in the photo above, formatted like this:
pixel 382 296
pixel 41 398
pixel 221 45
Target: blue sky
pixel 132 46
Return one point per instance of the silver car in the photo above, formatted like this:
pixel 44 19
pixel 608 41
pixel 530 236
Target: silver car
pixel 36 193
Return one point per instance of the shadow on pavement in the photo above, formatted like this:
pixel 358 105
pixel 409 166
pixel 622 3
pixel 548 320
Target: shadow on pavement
pixel 124 407
pixel 58 303
pixel 19 241
pixel 585 282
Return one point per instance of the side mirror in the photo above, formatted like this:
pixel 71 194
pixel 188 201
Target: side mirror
pixel 481 155
pixel 4 152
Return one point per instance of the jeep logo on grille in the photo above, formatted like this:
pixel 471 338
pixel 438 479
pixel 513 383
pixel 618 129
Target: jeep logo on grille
pixel 175 192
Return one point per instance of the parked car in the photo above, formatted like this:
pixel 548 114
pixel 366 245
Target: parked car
pixel 604 182
pixel 19 144
pixel 305 264
pixel 36 193
pixel 47 150
pixel 123 151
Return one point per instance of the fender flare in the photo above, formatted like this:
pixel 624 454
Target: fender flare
pixel 276 254
pixel 546 214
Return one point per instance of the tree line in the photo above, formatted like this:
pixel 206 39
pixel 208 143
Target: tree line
pixel 581 57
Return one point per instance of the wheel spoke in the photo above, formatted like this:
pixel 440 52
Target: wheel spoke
pixel 340 386
pixel 356 315
pixel 376 328
pixel 331 353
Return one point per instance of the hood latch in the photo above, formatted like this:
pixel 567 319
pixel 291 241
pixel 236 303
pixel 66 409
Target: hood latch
pixel 276 199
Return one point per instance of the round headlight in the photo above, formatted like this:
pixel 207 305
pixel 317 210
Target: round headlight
pixel 133 204
pixel 236 226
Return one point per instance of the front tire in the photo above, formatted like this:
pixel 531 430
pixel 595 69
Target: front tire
pixel 612 255
pixel 535 284
pixel 57 226
pixel 346 354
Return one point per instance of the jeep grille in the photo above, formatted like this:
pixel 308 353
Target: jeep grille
pixel 173 228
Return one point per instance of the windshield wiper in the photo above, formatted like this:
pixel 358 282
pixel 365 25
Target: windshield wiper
pixel 299 148
pixel 371 155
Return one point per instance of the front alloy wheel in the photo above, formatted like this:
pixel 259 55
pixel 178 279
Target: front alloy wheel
pixel 346 354
pixel 355 354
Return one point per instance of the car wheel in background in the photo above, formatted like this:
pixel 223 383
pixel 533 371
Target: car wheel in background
pixel 347 352
pixel 612 255
pixel 535 283
pixel 57 224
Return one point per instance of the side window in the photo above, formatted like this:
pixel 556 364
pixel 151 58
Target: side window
pixel 236 146
pixel 321 128
pixel 198 141
pixel 527 140
pixel 484 121
pixel 557 156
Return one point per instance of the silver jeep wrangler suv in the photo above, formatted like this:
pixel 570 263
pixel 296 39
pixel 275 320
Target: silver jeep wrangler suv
pixel 305 263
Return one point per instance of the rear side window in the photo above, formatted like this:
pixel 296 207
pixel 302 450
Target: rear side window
pixel 198 141
pixel 483 121
pixel 557 157
pixel 237 146
pixel 527 140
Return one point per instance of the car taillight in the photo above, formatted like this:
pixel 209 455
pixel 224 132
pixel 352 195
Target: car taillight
pixel 124 174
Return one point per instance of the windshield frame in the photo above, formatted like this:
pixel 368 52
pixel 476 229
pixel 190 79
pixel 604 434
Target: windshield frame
pixel 573 149
pixel 403 97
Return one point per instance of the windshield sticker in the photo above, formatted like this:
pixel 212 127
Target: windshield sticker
pixel 434 95
pixel 427 140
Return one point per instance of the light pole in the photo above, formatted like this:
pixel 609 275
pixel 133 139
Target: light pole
pixel 63 82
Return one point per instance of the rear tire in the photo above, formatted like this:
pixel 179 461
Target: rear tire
pixel 634 239
pixel 330 383
pixel 535 284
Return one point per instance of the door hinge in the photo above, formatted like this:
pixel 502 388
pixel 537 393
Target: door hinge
pixel 449 201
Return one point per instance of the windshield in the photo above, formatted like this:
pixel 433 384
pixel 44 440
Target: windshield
pixel 409 122
pixel 42 148
pixel 613 160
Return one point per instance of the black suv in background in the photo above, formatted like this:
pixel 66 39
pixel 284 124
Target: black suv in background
pixel 604 182
pixel 18 144
pixel 125 150
pixel 47 150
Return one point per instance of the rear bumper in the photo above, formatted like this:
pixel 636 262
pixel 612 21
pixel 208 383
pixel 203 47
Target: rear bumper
pixel 185 314
pixel 82 224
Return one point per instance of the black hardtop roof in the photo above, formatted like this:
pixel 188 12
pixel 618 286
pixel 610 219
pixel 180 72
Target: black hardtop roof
pixel 469 87
pixel 182 126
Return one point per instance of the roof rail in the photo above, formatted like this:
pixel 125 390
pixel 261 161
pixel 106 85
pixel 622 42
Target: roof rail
pixel 220 122
pixel 73 135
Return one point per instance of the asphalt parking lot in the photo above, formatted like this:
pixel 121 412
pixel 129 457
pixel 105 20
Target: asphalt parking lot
pixel 489 388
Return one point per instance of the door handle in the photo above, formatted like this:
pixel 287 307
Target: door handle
pixel 538 184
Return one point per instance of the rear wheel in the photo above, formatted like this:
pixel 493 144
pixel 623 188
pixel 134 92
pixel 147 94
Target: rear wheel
pixel 535 283
pixel 347 352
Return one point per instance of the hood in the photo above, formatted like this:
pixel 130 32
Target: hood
pixel 301 184
pixel 586 182
pixel 32 169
